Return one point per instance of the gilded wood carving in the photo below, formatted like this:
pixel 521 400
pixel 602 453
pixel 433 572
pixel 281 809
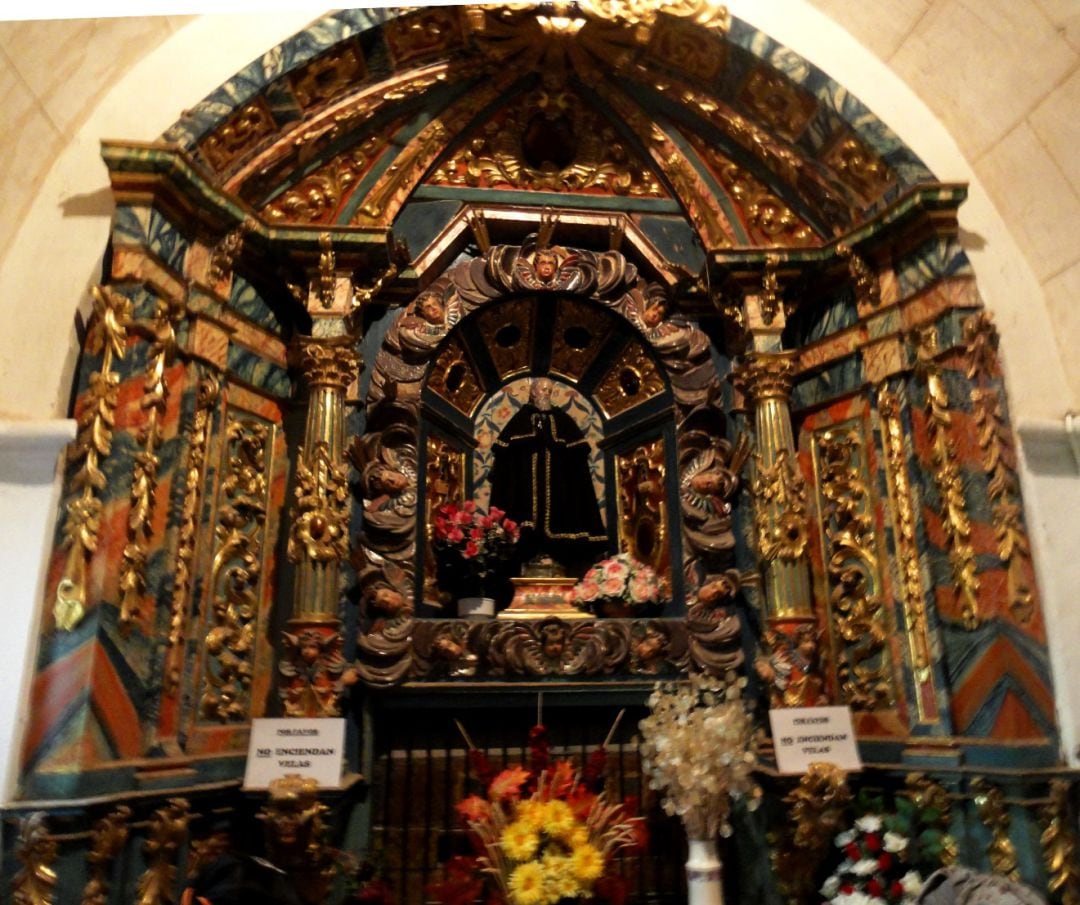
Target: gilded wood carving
pixel 393 645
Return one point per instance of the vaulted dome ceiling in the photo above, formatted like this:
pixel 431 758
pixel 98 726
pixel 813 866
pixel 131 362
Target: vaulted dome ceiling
pixel 701 129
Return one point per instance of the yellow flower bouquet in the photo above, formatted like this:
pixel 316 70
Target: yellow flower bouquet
pixel 543 835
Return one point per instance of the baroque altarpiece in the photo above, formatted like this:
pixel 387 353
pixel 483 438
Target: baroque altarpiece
pixel 328 288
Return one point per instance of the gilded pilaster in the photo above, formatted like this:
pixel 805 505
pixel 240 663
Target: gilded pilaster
pixel 318 540
pixel 778 488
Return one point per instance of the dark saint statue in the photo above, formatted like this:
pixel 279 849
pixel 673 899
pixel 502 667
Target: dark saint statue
pixel 541 479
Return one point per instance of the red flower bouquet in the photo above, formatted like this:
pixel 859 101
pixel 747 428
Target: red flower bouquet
pixel 543 835
pixel 476 540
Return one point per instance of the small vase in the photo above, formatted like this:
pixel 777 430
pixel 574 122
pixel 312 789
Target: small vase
pixel 475 607
pixel 703 873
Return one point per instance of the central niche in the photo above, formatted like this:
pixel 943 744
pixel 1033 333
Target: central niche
pixel 604 379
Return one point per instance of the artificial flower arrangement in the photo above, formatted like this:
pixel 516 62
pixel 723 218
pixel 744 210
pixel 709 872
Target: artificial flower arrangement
pixel 884 857
pixel 478 540
pixel 620 579
pixel 699 749
pixel 875 868
pixel 543 835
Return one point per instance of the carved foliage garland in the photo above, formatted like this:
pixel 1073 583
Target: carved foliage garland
pixel 1060 847
pixel 907 553
pixel 236 572
pixel 166 833
pixel 779 508
pixel 320 525
pixel 955 521
pixel 390 643
pixel 162 335
pixel 206 399
pixel 107 841
pixel 994 814
pixel 930 797
pixel 851 564
pixel 36 853
pixel 93 443
pixel 995 441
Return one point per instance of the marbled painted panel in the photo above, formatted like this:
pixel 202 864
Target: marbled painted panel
pixel 839 379
pixel 939 257
pixel 150 228
pixel 256 371
pixel 824 318
pixel 248 301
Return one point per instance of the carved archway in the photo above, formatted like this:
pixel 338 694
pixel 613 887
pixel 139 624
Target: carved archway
pixel 423 346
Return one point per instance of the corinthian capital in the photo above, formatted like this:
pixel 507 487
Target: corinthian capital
pixel 766 375
pixel 327 363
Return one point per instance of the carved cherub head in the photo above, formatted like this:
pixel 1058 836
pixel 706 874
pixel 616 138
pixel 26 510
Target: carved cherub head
pixel 717 589
pixel 651 645
pixel 714 482
pixel 385 479
pixel 446 648
pixel 655 311
pixel 806 642
pixel 430 307
pixel 553 641
pixel 546 265
pixel 309 646
pixel 387 601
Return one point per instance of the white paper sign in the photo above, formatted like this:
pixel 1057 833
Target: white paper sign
pixel 312 748
pixel 805 735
